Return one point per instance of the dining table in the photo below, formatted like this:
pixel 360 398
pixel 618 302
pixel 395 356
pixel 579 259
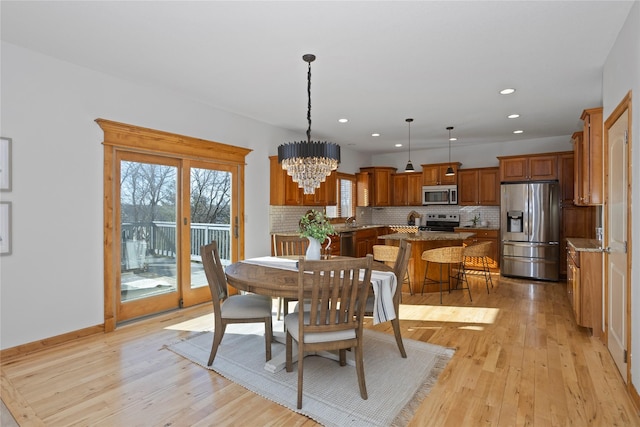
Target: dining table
pixel 278 277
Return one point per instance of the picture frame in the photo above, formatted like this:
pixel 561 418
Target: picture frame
pixel 5 164
pixel 5 228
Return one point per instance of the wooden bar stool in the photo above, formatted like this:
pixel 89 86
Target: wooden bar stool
pixel 481 252
pixel 451 255
pixel 389 254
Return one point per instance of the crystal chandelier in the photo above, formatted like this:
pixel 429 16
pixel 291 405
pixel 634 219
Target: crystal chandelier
pixel 309 162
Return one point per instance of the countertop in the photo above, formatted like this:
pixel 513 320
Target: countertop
pixel 585 245
pixel 427 235
pixel 470 227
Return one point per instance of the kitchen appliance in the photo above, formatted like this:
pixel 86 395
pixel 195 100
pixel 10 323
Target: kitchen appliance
pixel 440 195
pixel 440 222
pixel 530 230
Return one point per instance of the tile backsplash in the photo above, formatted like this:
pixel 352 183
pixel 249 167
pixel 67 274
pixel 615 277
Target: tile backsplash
pixel 285 218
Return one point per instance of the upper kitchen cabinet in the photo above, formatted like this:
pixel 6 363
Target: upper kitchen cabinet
pixel 285 192
pixel 374 186
pixel 479 186
pixel 435 174
pixel 541 167
pixel 407 189
pixel 589 160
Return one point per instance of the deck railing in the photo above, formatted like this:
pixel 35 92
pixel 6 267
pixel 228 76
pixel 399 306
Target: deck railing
pixel 158 238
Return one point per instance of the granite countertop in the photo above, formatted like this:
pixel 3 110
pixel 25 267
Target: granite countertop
pixel 338 229
pixel 585 245
pixel 427 235
pixel 471 227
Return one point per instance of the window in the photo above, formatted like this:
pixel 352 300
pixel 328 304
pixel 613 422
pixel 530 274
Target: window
pixel 346 197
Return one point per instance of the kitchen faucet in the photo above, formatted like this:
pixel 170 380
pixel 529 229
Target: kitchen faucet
pixel 351 221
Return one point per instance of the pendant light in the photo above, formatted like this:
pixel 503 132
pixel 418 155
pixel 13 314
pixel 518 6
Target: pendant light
pixel 309 162
pixel 409 167
pixel 449 171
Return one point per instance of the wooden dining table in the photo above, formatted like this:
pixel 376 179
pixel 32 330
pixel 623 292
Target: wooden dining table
pixel 278 277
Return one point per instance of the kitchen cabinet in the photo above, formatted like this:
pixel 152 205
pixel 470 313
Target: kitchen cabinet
pixel 589 160
pixel 407 189
pixel 584 287
pixel 285 192
pixel 483 235
pixel 435 174
pixel 365 239
pixel 374 186
pixel 479 186
pixel 529 168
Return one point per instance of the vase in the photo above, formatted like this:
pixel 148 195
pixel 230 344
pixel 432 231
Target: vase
pixel 313 251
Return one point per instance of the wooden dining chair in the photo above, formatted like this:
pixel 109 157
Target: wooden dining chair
pixel 337 293
pixel 288 245
pixel 246 308
pixel 400 266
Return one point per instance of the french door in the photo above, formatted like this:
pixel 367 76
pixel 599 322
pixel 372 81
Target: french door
pixel 165 195
pixel 168 209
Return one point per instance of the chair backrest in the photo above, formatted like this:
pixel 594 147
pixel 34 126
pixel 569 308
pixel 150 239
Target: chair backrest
pixel 339 289
pixel 216 277
pixel 445 255
pixel 478 249
pixel 284 245
pixel 386 253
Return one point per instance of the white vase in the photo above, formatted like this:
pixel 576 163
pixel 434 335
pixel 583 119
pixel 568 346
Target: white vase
pixel 313 251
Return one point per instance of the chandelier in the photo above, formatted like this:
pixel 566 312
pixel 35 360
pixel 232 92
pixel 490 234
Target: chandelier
pixel 309 163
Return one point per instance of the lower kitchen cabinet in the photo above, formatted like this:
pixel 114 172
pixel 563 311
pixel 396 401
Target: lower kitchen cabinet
pixel 365 239
pixel 584 284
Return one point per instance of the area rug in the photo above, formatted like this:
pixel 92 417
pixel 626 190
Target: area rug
pixel 395 386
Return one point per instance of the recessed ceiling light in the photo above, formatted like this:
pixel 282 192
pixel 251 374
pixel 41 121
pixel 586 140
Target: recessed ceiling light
pixel 343 120
pixel 375 134
pixel 513 116
pixel 507 91
pixel 453 138
pixel 518 131
pixel 398 145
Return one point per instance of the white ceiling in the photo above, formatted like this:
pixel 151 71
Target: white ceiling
pixel 378 62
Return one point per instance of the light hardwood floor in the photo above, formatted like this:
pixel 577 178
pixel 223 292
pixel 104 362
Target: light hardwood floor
pixel 520 360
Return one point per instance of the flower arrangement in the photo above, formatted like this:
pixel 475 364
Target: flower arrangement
pixel 316 225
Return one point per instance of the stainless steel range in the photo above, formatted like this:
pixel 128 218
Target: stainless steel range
pixel 441 222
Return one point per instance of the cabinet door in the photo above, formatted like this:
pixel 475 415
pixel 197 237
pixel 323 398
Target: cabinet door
pixel 430 174
pixel 566 174
pixel 514 169
pixel 382 187
pixel 577 168
pixel 414 189
pixel 363 188
pixel 400 189
pixel 468 187
pixel 488 186
pixel 543 168
pixel 592 156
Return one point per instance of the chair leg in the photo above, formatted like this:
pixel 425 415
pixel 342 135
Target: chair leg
pixel 360 371
pixel 280 305
pixel 268 335
pixel 218 333
pixel 424 281
pixel 487 277
pixel 288 352
pixel 300 372
pixel 396 331
pixel 441 284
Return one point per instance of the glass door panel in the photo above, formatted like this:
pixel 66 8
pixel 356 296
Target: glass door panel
pixel 148 276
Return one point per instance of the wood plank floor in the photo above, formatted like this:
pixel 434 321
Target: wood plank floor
pixel 520 360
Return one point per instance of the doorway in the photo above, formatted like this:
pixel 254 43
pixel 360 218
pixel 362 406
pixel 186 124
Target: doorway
pixel 165 196
pixel 617 235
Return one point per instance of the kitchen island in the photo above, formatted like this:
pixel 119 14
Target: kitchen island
pixel 420 242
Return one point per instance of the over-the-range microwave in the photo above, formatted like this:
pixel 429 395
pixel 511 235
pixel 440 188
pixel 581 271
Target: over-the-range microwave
pixel 440 195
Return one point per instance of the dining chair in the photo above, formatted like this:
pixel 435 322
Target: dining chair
pixel 480 251
pixel 288 245
pixel 400 266
pixel 451 255
pixel 337 291
pixel 245 308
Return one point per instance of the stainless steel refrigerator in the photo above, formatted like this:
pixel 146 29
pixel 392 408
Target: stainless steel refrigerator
pixel 530 230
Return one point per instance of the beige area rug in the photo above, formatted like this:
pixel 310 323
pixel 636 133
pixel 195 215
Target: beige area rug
pixel 395 386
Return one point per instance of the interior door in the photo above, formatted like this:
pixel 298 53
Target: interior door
pixel 616 239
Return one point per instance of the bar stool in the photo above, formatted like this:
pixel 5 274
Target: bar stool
pixel 481 251
pixel 389 254
pixel 451 255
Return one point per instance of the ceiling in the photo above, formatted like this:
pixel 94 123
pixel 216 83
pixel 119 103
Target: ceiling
pixel 441 63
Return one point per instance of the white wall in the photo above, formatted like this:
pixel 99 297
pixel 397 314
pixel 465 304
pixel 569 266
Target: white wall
pixel 622 74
